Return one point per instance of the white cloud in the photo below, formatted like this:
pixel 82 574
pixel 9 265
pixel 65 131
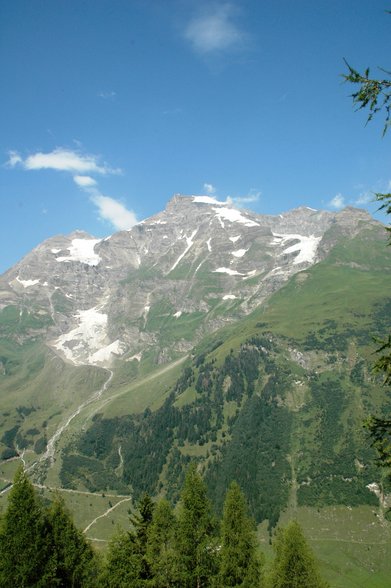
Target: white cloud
pixel 337 202
pixel 79 165
pixel 84 181
pixel 209 189
pixel 214 31
pixel 13 159
pixel 115 212
pixel 61 159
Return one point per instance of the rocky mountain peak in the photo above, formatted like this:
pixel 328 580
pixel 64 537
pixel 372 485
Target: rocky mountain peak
pixel 186 271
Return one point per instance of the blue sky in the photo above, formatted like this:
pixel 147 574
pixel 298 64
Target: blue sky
pixel 109 107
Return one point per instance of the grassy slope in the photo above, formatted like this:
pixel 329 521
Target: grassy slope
pixel 354 548
pixel 37 389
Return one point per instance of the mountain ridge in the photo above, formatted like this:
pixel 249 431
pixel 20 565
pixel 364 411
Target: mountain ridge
pixel 199 262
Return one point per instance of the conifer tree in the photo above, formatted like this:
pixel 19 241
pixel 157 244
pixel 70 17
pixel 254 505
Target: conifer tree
pixel 24 538
pixel 141 521
pixel 123 563
pixel 71 556
pixel 239 561
pixel 126 562
pixel 161 555
pixel 195 543
pixel 294 565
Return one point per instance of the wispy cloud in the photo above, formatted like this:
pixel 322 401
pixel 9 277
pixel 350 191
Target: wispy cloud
pixel 214 30
pixel 115 212
pixel 84 181
pixel 337 202
pixel 251 197
pixel 234 201
pixel 13 159
pixel 209 189
pixel 107 95
pixel 363 199
pixel 61 159
pixel 78 165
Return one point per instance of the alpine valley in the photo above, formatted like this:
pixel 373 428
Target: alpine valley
pixel 207 333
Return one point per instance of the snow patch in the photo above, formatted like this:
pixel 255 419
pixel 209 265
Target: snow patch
pixel 208 244
pixel 221 222
pixel 234 216
pixel 189 241
pixel 239 252
pixel 87 343
pixel 207 200
pixel 27 283
pixel 227 270
pixel 307 246
pixel 229 297
pixel 82 250
pixel 104 354
pixel 178 314
pixel 198 266
pixel 136 356
pixel 234 239
pixel 55 251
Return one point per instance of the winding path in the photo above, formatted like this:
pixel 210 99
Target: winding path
pixel 108 511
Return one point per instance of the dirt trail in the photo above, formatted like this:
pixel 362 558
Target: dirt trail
pixel 108 511
pixel 139 383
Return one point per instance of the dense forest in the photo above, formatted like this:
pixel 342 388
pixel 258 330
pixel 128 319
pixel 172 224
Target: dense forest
pixel 239 414
pixel 186 546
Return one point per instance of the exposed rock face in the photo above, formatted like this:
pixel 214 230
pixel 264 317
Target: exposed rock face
pixel 170 279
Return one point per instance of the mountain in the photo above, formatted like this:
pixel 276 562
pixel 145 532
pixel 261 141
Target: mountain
pixel 204 333
pixel 160 287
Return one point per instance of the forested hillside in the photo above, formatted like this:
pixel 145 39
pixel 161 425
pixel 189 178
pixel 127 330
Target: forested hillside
pixel 276 403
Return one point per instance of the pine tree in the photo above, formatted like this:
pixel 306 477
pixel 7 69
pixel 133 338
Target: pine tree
pixel 24 540
pixel 161 555
pixel 294 565
pixel 123 563
pixel 239 561
pixel 141 521
pixel 142 518
pixel 195 544
pixel 71 555
pixel 126 562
